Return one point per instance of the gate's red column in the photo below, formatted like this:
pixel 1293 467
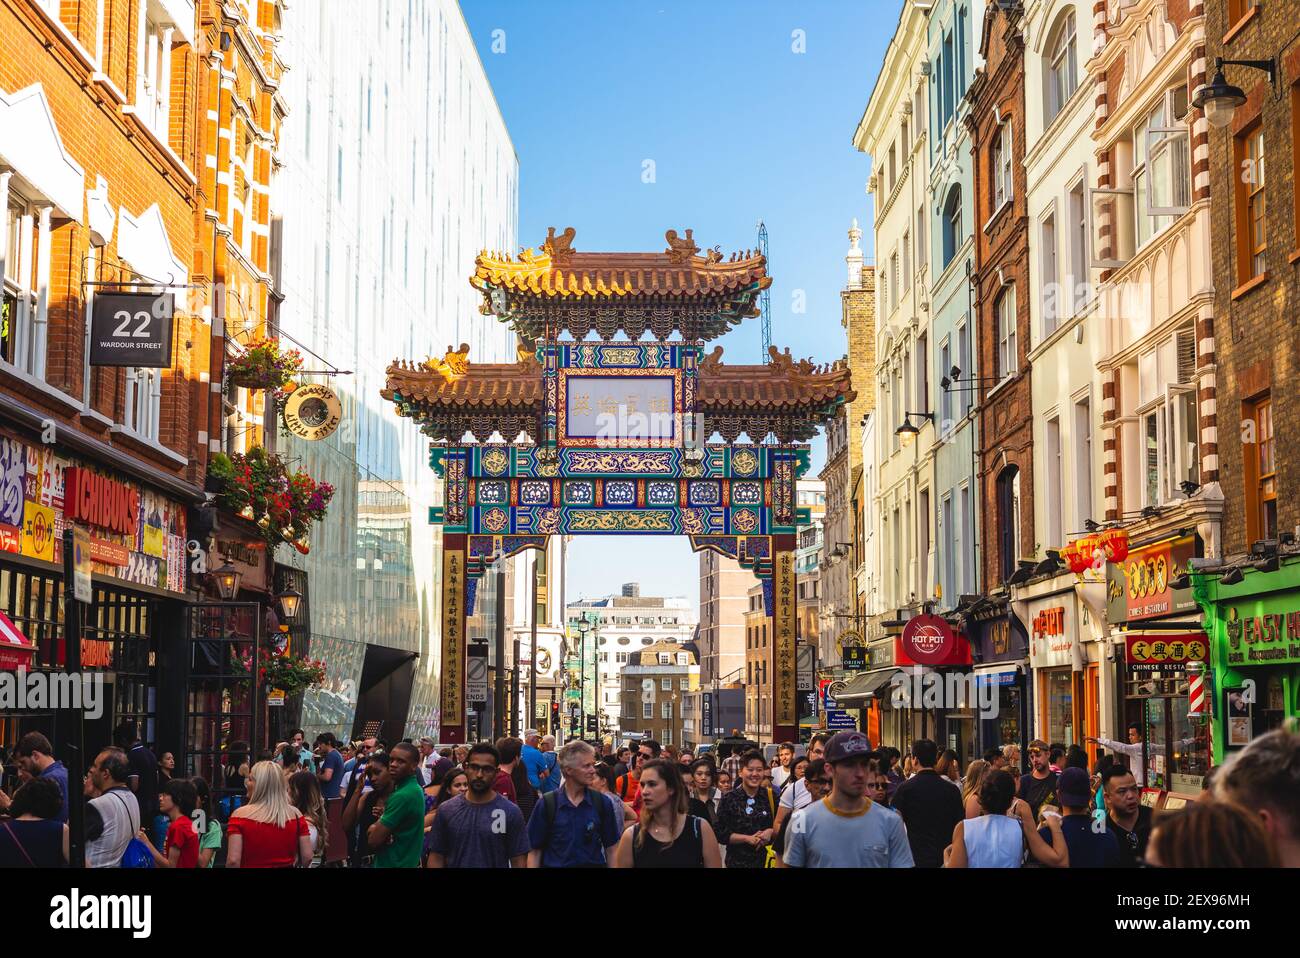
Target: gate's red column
pixel 785 710
pixel 452 667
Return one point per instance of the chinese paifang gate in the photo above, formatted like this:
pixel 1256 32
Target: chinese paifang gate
pixel 610 437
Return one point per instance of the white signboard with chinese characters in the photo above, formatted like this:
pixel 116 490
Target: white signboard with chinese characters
pixel 620 407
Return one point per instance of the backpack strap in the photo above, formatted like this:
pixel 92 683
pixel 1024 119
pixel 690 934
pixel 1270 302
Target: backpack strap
pixel 622 785
pixel 771 803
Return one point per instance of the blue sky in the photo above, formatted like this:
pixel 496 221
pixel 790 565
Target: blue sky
pixel 739 127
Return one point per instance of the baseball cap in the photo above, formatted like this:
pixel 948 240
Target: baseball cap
pixel 1072 787
pixel 845 745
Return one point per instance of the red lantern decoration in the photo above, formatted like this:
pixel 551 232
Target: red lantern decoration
pixel 1076 558
pixel 1114 543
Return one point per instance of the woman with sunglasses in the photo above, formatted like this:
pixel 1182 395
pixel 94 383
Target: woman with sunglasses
pixel 667 835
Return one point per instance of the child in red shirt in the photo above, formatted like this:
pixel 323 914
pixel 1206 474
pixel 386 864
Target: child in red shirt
pixel 177 801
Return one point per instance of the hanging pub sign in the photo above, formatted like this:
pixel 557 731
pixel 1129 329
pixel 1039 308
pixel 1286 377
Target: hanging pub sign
pixel 312 412
pixel 132 329
pixel 854 658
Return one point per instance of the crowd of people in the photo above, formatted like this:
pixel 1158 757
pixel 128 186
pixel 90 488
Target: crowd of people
pixel 521 803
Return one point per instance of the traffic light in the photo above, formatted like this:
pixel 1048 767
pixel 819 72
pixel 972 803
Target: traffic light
pixel 555 718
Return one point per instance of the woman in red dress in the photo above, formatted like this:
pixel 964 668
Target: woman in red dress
pixel 268 832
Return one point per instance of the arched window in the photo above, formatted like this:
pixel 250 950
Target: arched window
pixel 1060 68
pixel 1008 532
pixel 1006 320
pixel 952 234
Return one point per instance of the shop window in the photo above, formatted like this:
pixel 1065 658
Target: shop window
pixel 1259 458
pixel 1248 202
pixel 1057 692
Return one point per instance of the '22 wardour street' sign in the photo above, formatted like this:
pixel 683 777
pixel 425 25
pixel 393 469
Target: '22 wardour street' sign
pixel 132 329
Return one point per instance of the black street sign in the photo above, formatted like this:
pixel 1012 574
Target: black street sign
pixel 591 723
pixel 132 329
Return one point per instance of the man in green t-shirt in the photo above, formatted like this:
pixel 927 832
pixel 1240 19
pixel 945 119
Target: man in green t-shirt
pixel 398 837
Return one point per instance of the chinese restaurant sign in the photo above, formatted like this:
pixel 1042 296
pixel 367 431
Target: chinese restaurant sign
pixel 1139 587
pixel 1153 651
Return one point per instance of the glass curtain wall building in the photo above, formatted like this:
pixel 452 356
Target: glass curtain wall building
pixel 395 169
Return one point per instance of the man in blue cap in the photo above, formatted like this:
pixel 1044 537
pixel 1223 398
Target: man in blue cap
pixel 846 829
pixel 1091 844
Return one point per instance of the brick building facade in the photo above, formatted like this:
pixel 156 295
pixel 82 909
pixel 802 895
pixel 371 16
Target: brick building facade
pixel 1256 245
pixel 121 171
pixel 1002 315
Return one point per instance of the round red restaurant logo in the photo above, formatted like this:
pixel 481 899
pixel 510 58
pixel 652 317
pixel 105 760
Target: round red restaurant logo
pixel 927 639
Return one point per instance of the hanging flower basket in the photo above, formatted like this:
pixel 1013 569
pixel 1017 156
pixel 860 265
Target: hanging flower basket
pixel 259 487
pixel 292 674
pixel 263 365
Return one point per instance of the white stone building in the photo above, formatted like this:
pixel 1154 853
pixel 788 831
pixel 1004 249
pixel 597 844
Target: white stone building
pixel 625 624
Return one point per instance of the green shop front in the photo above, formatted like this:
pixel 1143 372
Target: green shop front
pixel 1255 636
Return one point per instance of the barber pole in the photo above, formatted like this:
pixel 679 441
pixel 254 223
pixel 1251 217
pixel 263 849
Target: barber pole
pixel 1196 701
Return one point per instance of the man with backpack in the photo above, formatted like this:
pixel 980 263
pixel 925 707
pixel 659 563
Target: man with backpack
pixel 573 826
pixel 112 813
pixel 746 816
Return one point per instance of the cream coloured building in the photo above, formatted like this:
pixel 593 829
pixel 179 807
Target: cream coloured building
pixel 893 132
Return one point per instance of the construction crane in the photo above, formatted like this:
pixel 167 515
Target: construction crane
pixel 765 303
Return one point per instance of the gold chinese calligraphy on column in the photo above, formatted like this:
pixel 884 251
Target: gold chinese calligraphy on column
pixel 453 632
pixel 783 628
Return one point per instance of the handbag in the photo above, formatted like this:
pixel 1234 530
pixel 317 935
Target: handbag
pixel 137 855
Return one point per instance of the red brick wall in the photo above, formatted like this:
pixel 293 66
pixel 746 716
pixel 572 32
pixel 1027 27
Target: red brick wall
pixel 1001 244
pixel 107 143
pixel 1258 332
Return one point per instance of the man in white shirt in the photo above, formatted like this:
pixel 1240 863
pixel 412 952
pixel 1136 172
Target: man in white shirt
pixel 1134 750
pixel 784 756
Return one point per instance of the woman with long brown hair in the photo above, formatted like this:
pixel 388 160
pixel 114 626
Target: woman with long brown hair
pixel 305 795
pixel 1209 834
pixel 666 836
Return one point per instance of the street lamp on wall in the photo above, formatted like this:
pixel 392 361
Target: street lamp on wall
pixel 228 581
pixel 290 599
pixel 1219 99
pixel 909 430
